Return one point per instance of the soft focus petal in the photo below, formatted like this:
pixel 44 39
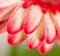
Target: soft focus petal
pixel 17 38
pixel 56 18
pixel 33 39
pixel 7 3
pixel 33 19
pixel 27 3
pixel 45 47
pixel 3 26
pixel 50 33
pixel 58 41
pixel 16 20
pixel 6 12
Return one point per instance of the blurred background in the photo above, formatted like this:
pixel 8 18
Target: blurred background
pixel 22 50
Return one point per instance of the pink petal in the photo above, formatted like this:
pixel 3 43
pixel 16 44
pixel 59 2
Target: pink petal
pixel 16 20
pixel 50 32
pixel 33 19
pixel 3 26
pixel 7 3
pixel 45 47
pixel 33 39
pixel 17 38
pixel 56 18
pixel 6 12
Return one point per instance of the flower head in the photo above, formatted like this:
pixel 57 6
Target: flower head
pixel 35 20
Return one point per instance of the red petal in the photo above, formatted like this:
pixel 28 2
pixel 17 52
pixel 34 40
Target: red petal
pixel 16 20
pixel 27 3
pixel 17 38
pixel 50 32
pixel 33 19
pixel 45 47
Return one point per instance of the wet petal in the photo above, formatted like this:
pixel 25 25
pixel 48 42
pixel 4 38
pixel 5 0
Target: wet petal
pixel 33 19
pixel 16 20
pixel 3 26
pixel 45 47
pixel 33 39
pixel 17 38
pixel 50 33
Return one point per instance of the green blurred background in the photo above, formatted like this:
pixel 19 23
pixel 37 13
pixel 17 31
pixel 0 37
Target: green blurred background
pixel 22 50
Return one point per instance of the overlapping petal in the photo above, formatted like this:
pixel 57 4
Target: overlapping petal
pixel 6 12
pixel 45 47
pixel 33 39
pixel 50 32
pixel 15 22
pixel 3 26
pixel 33 19
pixel 7 3
pixel 17 38
pixel 56 18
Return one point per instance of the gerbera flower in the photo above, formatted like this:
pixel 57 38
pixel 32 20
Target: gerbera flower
pixel 35 20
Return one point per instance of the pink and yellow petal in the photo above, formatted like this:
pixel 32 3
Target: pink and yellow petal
pixel 6 12
pixel 33 19
pixel 33 39
pixel 3 26
pixel 56 18
pixel 16 19
pixel 44 47
pixel 7 3
pixel 50 31
pixel 17 38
